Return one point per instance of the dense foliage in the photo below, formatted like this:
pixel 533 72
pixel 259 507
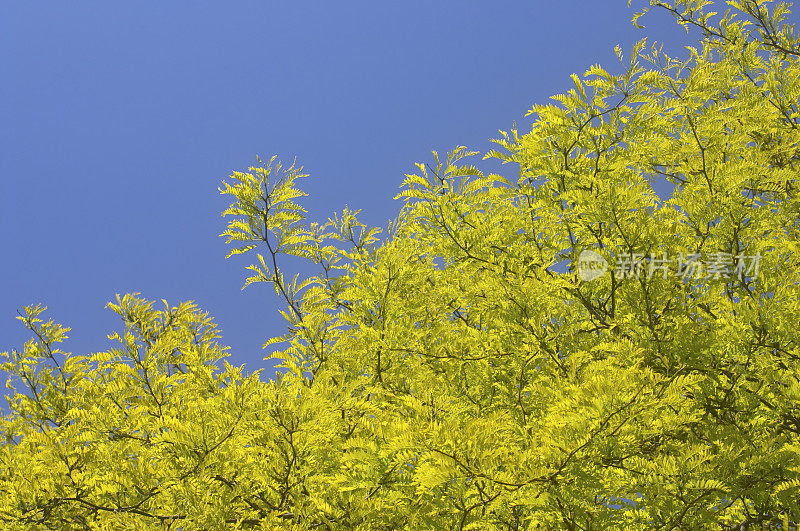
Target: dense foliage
pixel 455 375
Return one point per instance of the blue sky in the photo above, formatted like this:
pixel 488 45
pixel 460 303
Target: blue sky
pixel 118 121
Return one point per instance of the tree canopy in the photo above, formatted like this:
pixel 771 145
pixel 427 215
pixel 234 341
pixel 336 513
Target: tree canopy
pixel 463 372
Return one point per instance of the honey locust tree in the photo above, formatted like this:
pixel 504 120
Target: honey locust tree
pixel 452 375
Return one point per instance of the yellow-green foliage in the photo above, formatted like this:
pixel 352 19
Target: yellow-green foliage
pixel 449 376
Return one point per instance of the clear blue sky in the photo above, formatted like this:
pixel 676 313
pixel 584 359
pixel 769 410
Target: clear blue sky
pixel 118 122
